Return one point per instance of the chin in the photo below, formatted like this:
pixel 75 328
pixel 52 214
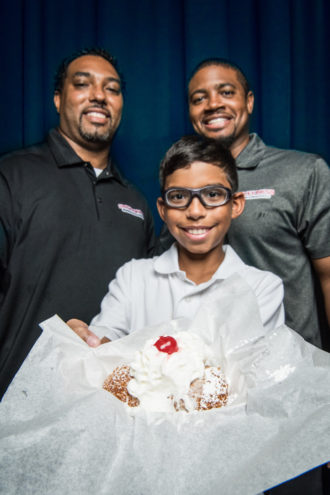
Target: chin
pixel 197 250
pixel 96 136
pixel 226 141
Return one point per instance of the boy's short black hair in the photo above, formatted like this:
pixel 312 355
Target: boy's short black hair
pixel 223 62
pixel 61 72
pixel 195 148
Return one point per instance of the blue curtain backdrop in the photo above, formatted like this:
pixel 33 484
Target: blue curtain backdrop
pixel 282 45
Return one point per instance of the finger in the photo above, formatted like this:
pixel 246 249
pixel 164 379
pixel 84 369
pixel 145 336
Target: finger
pixel 82 330
pixel 74 322
pixel 79 327
pixel 92 340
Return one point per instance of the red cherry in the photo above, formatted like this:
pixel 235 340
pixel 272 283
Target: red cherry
pixel 167 344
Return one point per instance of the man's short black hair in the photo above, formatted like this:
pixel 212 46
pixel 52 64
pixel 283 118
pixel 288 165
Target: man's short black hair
pixel 61 72
pixel 195 148
pixel 223 62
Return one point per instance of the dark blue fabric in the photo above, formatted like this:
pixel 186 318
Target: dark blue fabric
pixel 282 45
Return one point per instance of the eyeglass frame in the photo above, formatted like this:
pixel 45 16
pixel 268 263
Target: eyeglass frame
pixel 196 192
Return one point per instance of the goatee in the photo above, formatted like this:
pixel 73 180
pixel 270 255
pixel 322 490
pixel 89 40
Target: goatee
pixel 96 137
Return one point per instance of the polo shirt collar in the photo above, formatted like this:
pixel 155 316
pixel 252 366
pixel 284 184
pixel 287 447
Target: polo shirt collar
pixel 168 263
pixel 63 153
pixel 65 156
pixel 231 264
pixel 252 154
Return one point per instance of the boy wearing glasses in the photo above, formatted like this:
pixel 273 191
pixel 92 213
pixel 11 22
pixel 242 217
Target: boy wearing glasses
pixel 199 200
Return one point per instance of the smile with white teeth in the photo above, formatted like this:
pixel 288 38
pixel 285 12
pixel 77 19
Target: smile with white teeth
pixel 197 231
pixel 217 121
pixel 97 114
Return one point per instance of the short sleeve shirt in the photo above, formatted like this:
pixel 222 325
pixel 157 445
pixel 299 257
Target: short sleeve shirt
pixel 285 224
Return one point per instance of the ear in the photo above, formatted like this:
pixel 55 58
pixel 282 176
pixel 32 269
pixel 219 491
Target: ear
pixel 250 102
pixel 161 207
pixel 238 204
pixel 57 101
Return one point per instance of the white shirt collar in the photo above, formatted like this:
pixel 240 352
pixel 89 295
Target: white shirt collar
pixel 168 263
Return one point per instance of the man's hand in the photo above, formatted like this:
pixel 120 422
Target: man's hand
pixel 81 329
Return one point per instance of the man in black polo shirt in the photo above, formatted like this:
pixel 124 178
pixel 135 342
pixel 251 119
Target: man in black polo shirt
pixel 68 218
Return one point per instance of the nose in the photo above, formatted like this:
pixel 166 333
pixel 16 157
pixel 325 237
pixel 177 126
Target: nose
pixel 215 100
pixel 195 210
pixel 97 93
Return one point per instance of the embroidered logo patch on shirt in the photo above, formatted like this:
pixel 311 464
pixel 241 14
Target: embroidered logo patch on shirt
pixel 131 211
pixel 259 194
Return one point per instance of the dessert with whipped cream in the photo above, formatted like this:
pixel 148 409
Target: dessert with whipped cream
pixel 169 374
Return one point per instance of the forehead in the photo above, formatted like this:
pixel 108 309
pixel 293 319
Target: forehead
pixel 93 65
pixel 213 75
pixel 197 174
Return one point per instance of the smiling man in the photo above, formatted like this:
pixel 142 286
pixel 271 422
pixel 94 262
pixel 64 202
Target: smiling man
pixel 89 102
pixel 285 226
pixel 68 218
pixel 229 121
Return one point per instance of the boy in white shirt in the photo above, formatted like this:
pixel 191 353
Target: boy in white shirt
pixel 199 199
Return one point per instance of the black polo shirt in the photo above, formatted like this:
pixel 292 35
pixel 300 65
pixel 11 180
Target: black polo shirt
pixel 63 235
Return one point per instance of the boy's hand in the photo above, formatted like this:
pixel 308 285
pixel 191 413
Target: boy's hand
pixel 81 329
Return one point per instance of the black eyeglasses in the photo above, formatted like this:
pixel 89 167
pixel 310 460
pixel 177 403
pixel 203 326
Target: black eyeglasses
pixel 209 196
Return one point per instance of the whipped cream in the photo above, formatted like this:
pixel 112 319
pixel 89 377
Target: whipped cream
pixel 159 379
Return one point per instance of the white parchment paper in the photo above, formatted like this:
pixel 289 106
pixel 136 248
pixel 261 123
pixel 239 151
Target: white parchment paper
pixel 60 433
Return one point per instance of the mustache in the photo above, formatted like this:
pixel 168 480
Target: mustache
pixel 97 105
pixel 216 111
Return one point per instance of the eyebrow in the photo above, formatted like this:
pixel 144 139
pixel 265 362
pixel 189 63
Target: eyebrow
pixel 88 74
pixel 216 86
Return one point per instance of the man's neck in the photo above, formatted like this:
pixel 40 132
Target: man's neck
pixel 98 158
pixel 238 146
pixel 200 268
